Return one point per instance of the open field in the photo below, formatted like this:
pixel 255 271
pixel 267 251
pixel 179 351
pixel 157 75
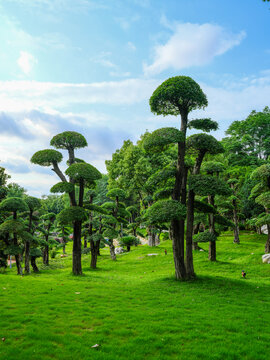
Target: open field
pixel 135 309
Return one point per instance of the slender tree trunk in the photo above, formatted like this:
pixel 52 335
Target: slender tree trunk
pixel 77 248
pixel 85 243
pixel 190 220
pixel 195 245
pixel 128 248
pixel 94 253
pixel 64 247
pixel 33 264
pixel 46 252
pixel 236 224
pixel 151 238
pixel 17 257
pixel 177 227
pixel 27 247
pixel 112 249
pixel 267 244
pixel 212 244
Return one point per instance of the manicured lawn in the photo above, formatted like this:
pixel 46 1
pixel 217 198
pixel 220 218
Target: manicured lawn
pixel 135 309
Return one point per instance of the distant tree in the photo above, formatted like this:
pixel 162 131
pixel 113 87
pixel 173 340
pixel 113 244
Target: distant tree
pixel 15 190
pixel 129 241
pixel 261 193
pixel 80 174
pixel 13 229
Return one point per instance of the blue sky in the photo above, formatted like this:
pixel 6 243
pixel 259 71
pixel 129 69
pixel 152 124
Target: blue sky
pixel 91 66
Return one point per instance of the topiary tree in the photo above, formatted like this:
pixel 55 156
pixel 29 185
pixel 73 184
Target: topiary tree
pixel 46 228
pixel 201 144
pixel 79 173
pixel 13 226
pixel 210 185
pixel 178 96
pixel 261 192
pixel 33 205
pixel 129 241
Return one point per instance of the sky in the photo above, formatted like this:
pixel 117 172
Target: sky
pixel 91 66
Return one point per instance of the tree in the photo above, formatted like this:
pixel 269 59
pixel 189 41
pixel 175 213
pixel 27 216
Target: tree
pixel 129 241
pixel 13 226
pixel 178 96
pixel 80 174
pixel 33 204
pixel 201 144
pixel 261 193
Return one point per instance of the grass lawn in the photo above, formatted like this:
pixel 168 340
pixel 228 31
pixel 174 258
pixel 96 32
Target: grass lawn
pixel 135 309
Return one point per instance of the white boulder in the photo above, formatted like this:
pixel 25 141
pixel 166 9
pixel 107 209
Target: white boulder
pixel 119 250
pixel 266 258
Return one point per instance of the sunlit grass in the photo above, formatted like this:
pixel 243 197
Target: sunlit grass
pixel 134 309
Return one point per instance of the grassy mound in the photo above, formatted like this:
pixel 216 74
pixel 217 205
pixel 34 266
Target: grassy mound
pixel 134 309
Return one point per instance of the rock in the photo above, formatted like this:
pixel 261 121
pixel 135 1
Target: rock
pixel 201 250
pixel 95 346
pixel 119 250
pixel 266 258
pixel 152 254
pixel 63 255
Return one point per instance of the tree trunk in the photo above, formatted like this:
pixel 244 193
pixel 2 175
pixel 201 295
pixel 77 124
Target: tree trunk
pixel 27 258
pixel 64 247
pixel 267 244
pixel 77 248
pixel 196 229
pixel 18 264
pixel 94 253
pixel 189 233
pixel 212 244
pixel 151 239
pixel 33 264
pixel 85 242
pixel 179 263
pixel 112 250
pixel 236 224
pixel 190 219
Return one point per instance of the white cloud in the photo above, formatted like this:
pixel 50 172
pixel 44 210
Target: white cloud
pixel 131 46
pixel 192 45
pixel 26 61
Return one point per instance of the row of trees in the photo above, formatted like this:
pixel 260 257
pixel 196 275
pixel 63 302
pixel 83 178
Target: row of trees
pixel 189 188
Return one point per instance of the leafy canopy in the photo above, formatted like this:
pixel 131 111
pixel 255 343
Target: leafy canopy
pixel 68 140
pixel 46 157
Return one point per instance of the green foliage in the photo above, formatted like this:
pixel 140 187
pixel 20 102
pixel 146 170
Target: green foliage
pixel 68 140
pixel 162 137
pixel 36 252
pixel 83 171
pixel 12 226
pixel 13 204
pixel 204 143
pixel 211 167
pixel 110 233
pixel 32 202
pixel 62 187
pixel 263 219
pixel 264 199
pixel 206 124
pixel 164 211
pixel 15 190
pixel 74 213
pixel 221 220
pixel 116 193
pixel 179 93
pixel 205 236
pixel 95 208
pixel 129 241
pixel 201 206
pixel 208 185
pixel 46 157
pixel 261 173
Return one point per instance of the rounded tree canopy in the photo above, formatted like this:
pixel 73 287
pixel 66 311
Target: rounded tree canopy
pixel 83 171
pixel 91 192
pixel 49 216
pixel 129 240
pixel 208 185
pixel 33 202
pixel 46 157
pixel 68 140
pixel 132 209
pixel 62 187
pixel 261 173
pixel 211 167
pixel 221 220
pixel 205 236
pixel 264 199
pixel 12 226
pixel 110 206
pixel 116 193
pixel 206 124
pixel 179 93
pixel 203 207
pixel 258 189
pixel 95 208
pixel 13 204
pixel 263 220
pixel 162 137
pixel 163 193
pixel 110 233
pixel 165 211
pixel 205 143
pixel 71 214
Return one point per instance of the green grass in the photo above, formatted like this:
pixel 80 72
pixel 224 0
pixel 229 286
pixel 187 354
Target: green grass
pixel 135 309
